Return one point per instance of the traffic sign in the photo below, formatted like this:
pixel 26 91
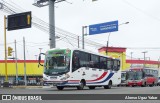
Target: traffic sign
pixel 103 27
pixel 19 21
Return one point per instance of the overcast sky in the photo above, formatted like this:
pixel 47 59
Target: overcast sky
pixel 141 34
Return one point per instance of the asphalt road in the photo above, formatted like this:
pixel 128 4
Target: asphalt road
pixel 98 90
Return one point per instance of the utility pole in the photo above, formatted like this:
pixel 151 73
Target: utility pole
pixel 83 34
pixel 78 41
pixel 109 36
pixel 131 58
pixel 16 63
pixel 25 77
pixel 52 24
pixel 159 67
pixel 107 44
pixel 51 3
pixel 144 58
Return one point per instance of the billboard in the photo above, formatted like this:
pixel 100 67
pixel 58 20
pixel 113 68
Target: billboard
pixel 103 27
pixel 19 21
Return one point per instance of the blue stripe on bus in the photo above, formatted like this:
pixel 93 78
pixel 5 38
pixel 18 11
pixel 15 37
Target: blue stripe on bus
pixel 110 75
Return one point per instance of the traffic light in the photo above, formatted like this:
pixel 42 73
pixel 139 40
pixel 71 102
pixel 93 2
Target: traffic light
pixel 10 51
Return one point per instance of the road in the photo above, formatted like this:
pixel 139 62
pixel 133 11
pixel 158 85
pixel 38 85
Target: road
pixel 72 91
pixel 98 90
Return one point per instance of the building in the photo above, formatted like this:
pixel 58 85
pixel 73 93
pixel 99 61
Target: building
pixel 116 52
pixel 33 72
pixel 119 52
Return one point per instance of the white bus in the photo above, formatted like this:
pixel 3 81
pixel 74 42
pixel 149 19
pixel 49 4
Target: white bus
pixel 79 68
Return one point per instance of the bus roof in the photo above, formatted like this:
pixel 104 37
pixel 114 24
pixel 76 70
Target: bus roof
pixel 84 50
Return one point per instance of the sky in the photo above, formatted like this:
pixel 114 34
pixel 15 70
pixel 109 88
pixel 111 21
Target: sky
pixel 141 34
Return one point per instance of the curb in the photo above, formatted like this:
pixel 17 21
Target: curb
pixel 27 87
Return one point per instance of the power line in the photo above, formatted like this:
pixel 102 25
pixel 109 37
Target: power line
pixel 140 10
pixel 40 24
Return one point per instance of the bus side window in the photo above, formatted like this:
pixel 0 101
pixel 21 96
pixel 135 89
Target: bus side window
pixel 115 65
pixel 75 62
pixel 127 75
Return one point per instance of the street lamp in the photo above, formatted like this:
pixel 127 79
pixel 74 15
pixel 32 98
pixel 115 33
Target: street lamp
pixel 144 58
pixel 109 36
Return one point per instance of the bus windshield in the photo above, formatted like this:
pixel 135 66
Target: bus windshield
pixel 123 76
pixel 135 75
pixel 57 62
pixel 138 75
pixel 130 75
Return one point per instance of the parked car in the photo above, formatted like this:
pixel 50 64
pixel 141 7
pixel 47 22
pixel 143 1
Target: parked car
pixel 158 83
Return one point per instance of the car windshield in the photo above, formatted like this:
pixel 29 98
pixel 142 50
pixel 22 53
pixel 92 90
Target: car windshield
pixel 57 62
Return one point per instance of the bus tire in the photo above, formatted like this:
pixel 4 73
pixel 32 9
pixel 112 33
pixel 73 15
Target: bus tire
pixel 81 86
pixel 60 87
pixel 152 84
pixel 91 87
pixel 144 85
pixel 108 86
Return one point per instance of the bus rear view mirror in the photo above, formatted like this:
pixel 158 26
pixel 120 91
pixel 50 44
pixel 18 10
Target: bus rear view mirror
pixel 39 59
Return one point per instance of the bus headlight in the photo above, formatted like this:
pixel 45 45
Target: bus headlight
pixel 66 76
pixel 45 78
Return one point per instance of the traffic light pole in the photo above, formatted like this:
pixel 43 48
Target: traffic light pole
pixel 6 83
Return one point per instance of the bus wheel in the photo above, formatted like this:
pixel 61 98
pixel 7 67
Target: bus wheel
pixel 81 86
pixel 60 87
pixel 152 85
pixel 91 87
pixel 144 85
pixel 108 86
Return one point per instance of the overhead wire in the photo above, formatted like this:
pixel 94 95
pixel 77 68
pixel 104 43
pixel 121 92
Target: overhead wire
pixel 40 24
pixel 44 26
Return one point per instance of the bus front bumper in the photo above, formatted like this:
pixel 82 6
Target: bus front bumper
pixel 55 83
pixel 135 83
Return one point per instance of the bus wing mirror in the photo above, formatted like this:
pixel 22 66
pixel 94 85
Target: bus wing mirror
pixel 39 59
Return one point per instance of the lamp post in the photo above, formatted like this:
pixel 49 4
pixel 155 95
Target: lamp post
pixel 144 58
pixel 109 36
